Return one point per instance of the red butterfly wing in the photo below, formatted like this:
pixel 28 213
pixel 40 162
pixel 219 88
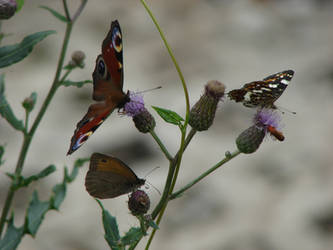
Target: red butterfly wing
pixel 108 83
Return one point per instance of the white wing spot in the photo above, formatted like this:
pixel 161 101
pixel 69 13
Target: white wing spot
pixel 247 96
pixel 285 82
pixel 273 86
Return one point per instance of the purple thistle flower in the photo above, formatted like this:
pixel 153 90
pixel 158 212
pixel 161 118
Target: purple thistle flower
pixel 135 106
pixel 270 121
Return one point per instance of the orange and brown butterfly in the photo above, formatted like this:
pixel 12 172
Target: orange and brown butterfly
pixel 109 177
pixel 108 87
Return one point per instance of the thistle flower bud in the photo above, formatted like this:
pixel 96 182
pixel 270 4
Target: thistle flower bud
pixel 203 112
pixel 138 202
pixel 7 8
pixel 250 139
pixel 78 58
pixel 142 119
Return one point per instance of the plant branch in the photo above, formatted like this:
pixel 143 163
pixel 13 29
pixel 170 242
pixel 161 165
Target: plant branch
pixel 68 15
pixel 28 136
pixel 160 143
pixel 172 58
pixel 203 175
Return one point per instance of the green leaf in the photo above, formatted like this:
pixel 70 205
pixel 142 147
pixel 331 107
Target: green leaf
pixel 110 227
pixel 45 172
pixel 11 54
pixel 169 115
pixel 78 84
pixel 152 224
pixel 35 214
pixel 12 237
pixel 2 151
pixel 59 193
pixel 77 164
pixel 55 13
pixel 5 110
pixel 29 102
pixel 20 4
pixel 133 235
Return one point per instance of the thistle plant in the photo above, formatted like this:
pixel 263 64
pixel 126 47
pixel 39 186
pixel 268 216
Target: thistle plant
pixel 198 118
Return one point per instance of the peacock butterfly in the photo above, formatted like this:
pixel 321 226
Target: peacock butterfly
pixel 108 77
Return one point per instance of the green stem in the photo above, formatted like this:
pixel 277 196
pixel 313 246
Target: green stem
pixel 28 136
pixel 172 58
pixel 161 206
pixel 203 175
pixel 68 15
pixel 160 143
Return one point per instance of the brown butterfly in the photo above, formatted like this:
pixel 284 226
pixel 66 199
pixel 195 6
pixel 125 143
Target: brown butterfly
pixel 108 87
pixel 109 177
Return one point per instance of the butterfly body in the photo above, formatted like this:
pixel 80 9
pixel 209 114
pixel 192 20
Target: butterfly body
pixel 263 93
pixel 108 87
pixel 109 177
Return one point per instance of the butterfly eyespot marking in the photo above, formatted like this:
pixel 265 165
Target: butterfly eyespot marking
pixel 101 68
pixel 116 40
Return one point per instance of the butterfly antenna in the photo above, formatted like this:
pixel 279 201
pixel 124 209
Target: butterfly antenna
pixel 147 187
pixel 283 110
pixel 148 90
pixel 151 171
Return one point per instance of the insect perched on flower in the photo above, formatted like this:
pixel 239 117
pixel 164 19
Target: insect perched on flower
pixel 263 93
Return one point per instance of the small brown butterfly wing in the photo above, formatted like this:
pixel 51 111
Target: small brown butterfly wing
pixel 109 177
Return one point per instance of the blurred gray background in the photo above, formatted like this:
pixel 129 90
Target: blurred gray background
pixel 279 198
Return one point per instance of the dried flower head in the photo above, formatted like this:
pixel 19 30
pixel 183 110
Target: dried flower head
pixel 7 8
pixel 78 57
pixel 139 202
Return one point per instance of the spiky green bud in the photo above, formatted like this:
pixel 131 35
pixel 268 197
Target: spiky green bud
pixel 250 139
pixel 203 112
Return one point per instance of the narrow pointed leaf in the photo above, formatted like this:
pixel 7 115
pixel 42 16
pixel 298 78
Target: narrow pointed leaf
pixel 133 235
pixel 12 237
pixel 11 54
pixel 55 13
pixel 152 224
pixel 169 115
pixel 35 214
pixel 59 193
pixel 45 172
pixel 110 227
pixel 78 84
pixel 5 110
pixel 77 164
